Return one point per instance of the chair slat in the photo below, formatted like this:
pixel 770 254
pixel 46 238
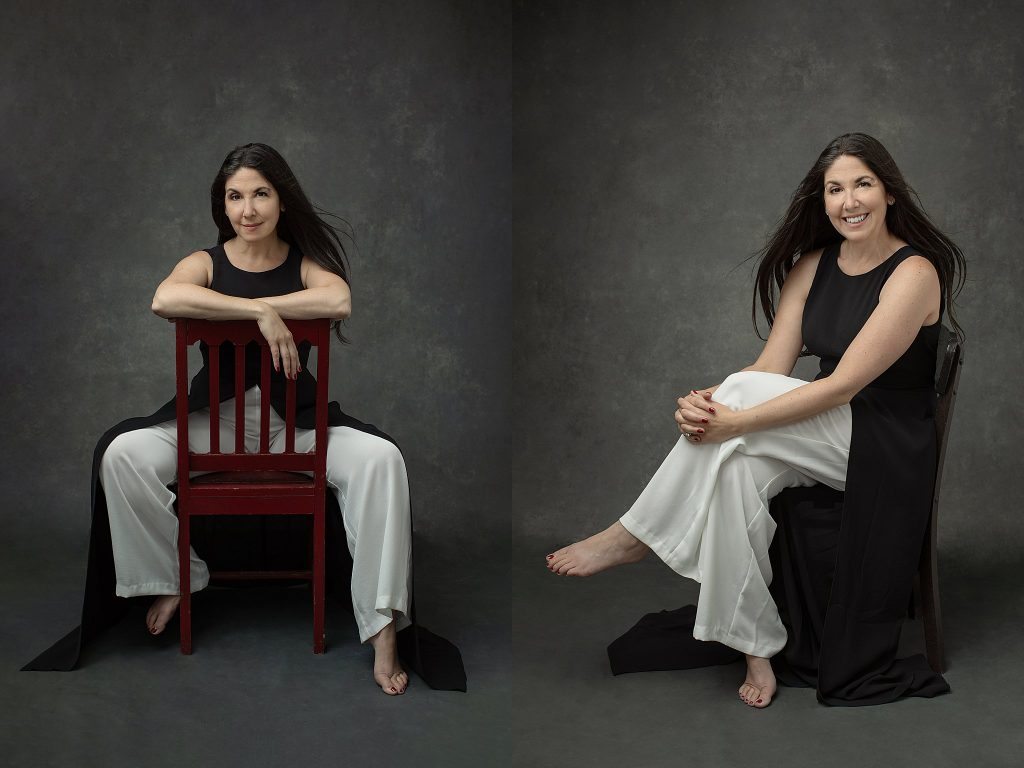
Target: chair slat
pixel 252 462
pixel 214 398
pixel 239 398
pixel 265 399
pixel 289 418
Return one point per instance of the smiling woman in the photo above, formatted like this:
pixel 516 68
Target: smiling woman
pixel 858 275
pixel 856 201
pixel 275 259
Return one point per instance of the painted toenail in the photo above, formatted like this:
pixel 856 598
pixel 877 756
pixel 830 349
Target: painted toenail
pixel 551 557
pixel 759 701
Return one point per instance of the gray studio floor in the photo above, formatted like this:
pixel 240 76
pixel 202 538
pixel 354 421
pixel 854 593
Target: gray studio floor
pixel 540 690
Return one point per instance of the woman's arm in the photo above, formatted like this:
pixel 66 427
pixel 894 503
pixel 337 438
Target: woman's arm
pixel 781 350
pixel 786 340
pixel 184 293
pixel 909 300
pixel 325 295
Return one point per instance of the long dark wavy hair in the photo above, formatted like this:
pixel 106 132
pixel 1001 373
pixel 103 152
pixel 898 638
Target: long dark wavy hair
pixel 301 224
pixel 805 227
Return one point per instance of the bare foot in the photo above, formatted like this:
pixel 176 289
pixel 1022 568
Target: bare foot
pixel 612 546
pixel 160 612
pixel 759 687
pixel 387 672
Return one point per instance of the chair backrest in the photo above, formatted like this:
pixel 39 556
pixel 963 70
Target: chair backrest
pixel 947 380
pixel 240 333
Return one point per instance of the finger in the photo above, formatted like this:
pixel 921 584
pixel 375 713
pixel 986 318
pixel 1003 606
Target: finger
pixel 275 356
pixel 287 363
pixel 690 435
pixel 293 360
pixel 692 398
pixel 698 400
pixel 692 415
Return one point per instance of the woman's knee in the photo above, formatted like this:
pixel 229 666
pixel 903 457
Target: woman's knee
pixel 369 454
pixel 745 389
pixel 136 451
pixel 731 391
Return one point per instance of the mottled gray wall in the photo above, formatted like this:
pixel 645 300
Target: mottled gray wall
pixel 552 203
pixel 661 141
pixel 118 115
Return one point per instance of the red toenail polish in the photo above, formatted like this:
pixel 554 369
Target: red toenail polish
pixel 703 421
pixel 394 690
pixel 551 557
pixel 759 701
pixel 711 409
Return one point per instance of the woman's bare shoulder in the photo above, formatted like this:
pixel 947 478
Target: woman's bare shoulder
pixel 195 268
pixel 802 273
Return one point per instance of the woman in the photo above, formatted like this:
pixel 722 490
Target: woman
pixel 275 259
pixel 865 278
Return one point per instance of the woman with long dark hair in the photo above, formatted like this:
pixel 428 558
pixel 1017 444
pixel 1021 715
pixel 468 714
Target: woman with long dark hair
pixel 856 273
pixel 276 258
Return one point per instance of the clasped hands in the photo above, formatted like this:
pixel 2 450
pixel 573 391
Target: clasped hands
pixel 701 420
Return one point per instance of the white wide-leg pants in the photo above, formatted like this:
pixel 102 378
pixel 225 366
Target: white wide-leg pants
pixel 705 511
pixel 365 472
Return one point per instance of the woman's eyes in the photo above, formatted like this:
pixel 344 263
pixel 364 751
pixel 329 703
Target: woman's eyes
pixel 862 183
pixel 236 196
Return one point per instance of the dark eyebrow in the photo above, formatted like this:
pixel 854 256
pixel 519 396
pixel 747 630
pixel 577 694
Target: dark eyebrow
pixel 258 189
pixel 859 178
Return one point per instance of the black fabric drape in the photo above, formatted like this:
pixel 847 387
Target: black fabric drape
pixel 251 545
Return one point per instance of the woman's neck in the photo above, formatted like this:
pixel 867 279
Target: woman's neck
pixel 268 251
pixel 862 255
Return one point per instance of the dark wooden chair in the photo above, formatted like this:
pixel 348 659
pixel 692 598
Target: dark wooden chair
pixel 260 483
pixel 947 380
pixel 826 504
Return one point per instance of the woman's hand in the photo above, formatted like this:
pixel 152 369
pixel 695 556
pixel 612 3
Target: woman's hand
pixel 701 420
pixel 283 352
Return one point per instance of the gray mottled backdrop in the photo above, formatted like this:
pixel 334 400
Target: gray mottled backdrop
pixel 658 144
pixel 552 205
pixel 393 116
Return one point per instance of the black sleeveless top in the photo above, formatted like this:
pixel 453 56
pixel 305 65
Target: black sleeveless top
pixel 837 307
pixel 232 281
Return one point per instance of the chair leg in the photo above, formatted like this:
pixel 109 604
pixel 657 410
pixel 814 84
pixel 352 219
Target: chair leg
pixel 184 583
pixel 318 579
pixel 931 610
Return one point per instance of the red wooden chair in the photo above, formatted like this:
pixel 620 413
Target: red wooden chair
pixel 260 483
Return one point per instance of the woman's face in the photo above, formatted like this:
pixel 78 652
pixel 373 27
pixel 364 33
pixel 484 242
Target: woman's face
pixel 251 204
pixel 855 199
